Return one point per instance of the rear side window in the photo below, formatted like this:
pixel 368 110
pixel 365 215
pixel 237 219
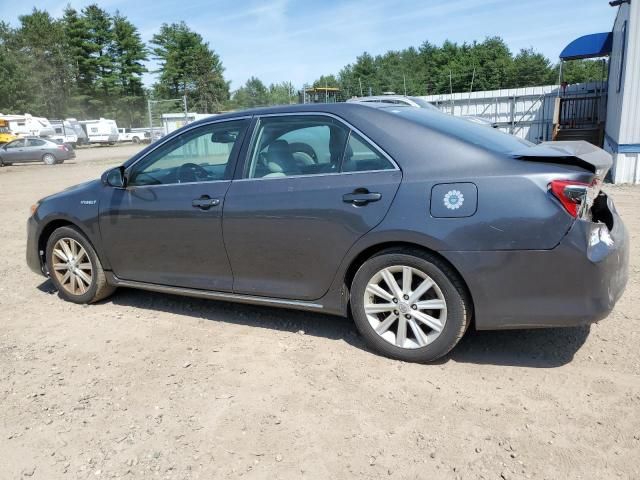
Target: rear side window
pixel 34 142
pixel 294 145
pixel 360 156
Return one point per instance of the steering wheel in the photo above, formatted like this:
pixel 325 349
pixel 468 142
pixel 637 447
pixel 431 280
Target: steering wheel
pixel 191 172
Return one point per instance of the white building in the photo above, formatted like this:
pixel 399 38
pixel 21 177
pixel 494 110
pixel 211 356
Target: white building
pixel 174 121
pixel 622 130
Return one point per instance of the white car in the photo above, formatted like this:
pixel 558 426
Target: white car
pixel 414 102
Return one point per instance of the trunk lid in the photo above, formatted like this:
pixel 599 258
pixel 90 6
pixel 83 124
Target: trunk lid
pixel 579 152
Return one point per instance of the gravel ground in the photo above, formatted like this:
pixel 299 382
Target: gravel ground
pixel 149 385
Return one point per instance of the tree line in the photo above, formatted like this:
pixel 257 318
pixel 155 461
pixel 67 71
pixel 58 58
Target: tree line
pixel 90 63
pixel 451 67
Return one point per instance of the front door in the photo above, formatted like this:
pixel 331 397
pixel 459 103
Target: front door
pixel 15 151
pixel 311 188
pixel 165 227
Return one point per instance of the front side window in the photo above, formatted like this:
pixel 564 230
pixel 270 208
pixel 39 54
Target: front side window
pixel 16 143
pixel 199 155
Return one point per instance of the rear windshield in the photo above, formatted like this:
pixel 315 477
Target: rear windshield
pixel 481 135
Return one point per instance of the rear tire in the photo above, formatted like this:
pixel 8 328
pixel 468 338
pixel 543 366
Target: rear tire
pixel 49 159
pixel 74 267
pixel 414 325
pixel 135 140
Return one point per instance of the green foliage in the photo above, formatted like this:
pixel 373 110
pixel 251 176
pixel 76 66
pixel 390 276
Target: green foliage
pixel 254 93
pixel 188 67
pixel 577 71
pixel 451 67
pixel 85 65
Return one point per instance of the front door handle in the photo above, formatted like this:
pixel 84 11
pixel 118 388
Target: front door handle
pixel 361 197
pixel 205 202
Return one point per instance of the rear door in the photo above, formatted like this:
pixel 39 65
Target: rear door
pixel 309 189
pixel 34 150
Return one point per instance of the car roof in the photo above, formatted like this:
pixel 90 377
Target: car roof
pixel 399 130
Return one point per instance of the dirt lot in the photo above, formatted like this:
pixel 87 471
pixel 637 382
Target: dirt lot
pixel 150 385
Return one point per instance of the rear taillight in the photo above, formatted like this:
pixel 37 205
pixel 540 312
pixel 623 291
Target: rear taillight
pixel 62 147
pixel 572 194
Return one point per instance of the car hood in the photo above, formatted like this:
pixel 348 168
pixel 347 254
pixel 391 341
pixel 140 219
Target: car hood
pixel 81 188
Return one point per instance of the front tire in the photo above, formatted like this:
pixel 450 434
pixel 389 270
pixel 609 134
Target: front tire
pixel 410 305
pixel 74 267
pixel 49 159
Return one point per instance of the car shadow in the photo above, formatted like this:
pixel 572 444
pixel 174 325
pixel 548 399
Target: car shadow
pixel 540 348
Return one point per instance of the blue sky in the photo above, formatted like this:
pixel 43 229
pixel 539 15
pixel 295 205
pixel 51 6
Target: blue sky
pixel 300 40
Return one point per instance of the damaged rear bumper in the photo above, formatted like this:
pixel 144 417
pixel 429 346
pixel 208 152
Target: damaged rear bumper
pixel 578 282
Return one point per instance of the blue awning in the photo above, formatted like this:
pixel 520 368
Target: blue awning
pixel 588 46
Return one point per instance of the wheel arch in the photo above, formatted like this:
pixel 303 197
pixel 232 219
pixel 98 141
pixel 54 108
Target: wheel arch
pixel 377 248
pixel 51 226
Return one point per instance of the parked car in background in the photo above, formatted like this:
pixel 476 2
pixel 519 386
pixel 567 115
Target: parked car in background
pixel 101 131
pixel 132 135
pixel 418 223
pixel 34 149
pixel 417 102
pixel 394 100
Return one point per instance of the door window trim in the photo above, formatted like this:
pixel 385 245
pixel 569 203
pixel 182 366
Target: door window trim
pixel 191 127
pixel 241 173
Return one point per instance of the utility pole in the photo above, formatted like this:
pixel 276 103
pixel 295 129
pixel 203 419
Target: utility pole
pixel 473 76
pixel 186 112
pixel 451 90
pixel 360 82
pixel 404 81
pixel 150 119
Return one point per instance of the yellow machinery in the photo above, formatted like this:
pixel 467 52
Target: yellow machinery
pixel 5 134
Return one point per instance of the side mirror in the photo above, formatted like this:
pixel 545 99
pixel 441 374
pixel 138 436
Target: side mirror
pixel 114 177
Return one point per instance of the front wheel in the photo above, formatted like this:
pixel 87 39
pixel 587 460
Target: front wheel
pixel 409 305
pixel 74 267
pixel 49 159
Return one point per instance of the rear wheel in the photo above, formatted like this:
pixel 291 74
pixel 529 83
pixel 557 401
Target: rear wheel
pixel 75 268
pixel 135 140
pixel 409 305
pixel 49 159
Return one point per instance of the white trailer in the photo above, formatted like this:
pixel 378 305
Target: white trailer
pixel 102 130
pixel 64 132
pixel 28 125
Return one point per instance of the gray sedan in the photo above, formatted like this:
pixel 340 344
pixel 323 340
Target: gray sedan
pixel 415 223
pixel 34 149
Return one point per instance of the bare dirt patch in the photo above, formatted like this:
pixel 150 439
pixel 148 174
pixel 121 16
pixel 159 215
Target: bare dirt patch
pixel 150 385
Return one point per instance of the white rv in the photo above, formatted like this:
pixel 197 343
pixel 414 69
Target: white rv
pixel 102 130
pixel 64 132
pixel 78 130
pixel 28 125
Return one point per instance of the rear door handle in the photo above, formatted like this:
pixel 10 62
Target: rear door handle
pixel 205 202
pixel 361 198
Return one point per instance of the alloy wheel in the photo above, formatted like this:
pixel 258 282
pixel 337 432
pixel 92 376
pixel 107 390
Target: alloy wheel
pixel 72 266
pixel 405 306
